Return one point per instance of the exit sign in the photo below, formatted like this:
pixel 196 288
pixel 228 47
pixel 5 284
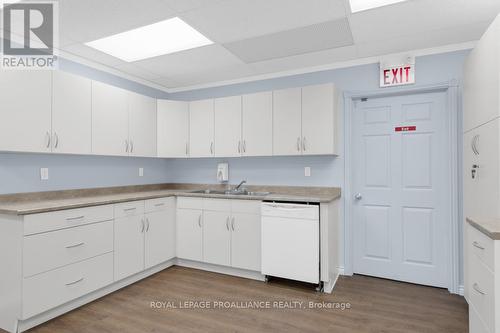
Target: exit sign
pixel 397 74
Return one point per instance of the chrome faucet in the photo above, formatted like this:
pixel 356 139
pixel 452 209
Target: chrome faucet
pixel 237 188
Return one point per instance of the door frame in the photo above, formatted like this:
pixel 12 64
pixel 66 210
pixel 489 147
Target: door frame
pixel 451 89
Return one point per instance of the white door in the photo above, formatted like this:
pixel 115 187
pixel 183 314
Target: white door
pixel 109 120
pixel 160 237
pixel 245 241
pixel 142 125
pixel 401 183
pixel 25 110
pixel 173 128
pixel 129 246
pixel 217 238
pixel 189 226
pixel 257 124
pixel 71 114
pixel 287 122
pixel 228 126
pixel 201 128
pixel 318 120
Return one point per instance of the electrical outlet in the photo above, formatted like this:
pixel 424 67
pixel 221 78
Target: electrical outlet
pixel 307 171
pixel 141 172
pixel 44 173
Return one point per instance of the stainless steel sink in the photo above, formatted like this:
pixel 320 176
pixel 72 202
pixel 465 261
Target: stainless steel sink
pixel 209 191
pixel 229 192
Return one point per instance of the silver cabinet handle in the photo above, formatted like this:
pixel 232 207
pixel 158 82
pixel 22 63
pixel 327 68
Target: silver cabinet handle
pixel 232 223
pixel 199 221
pixel 476 288
pixel 75 245
pixel 476 244
pixel 126 146
pixel 239 147
pixel 47 139
pixel 159 204
pixel 211 148
pixel 131 146
pixel 75 282
pixel 56 140
pixel 75 218
pixel 474 142
pixel 304 144
pixel 142 226
pixel 187 148
pixel 244 146
pixel 298 144
pixel 129 209
pixel 147 224
pixel 227 223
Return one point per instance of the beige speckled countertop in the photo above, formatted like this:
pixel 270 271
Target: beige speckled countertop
pixel 489 227
pixel 40 202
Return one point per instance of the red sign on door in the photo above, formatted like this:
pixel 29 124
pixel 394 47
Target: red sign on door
pixel 405 128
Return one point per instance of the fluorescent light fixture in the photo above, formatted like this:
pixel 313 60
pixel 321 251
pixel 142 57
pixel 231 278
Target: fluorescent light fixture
pixel 169 36
pixel 361 5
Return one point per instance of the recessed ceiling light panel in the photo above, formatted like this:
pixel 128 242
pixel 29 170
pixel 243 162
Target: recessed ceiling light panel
pixel 169 36
pixel 361 5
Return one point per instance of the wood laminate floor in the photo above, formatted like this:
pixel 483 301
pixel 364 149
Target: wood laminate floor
pixel 376 305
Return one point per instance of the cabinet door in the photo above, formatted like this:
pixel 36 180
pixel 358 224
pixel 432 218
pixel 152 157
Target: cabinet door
pixel 228 126
pixel 109 120
pixel 201 128
pixel 189 234
pixel 257 124
pixel 318 120
pixel 142 125
pixel 173 128
pixel 129 246
pixel 71 114
pixel 287 122
pixel 160 236
pixel 217 238
pixel 245 241
pixel 25 110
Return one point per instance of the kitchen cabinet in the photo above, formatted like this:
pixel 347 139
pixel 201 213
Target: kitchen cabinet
pixel 173 128
pixel 257 124
pixel 228 126
pixel 190 234
pixel 71 114
pixel 25 99
pixel 318 120
pixel 245 241
pixel 287 131
pixel 201 128
pixel 160 231
pixel 142 125
pixel 217 237
pixel 109 120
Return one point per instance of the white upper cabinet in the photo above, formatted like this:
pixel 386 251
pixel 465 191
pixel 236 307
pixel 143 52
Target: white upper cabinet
pixel 257 124
pixel 142 125
pixel 173 128
pixel 71 114
pixel 109 120
pixel 287 122
pixel 228 126
pixel 318 120
pixel 482 80
pixel 201 128
pixel 25 110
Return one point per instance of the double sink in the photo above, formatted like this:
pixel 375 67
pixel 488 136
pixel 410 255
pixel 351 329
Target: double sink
pixel 242 192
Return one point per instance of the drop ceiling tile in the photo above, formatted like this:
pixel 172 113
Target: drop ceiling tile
pixel 229 21
pixel 92 54
pixel 184 5
pixel 136 71
pixel 87 20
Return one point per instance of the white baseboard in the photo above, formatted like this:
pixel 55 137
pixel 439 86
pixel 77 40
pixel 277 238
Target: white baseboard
pixel 461 290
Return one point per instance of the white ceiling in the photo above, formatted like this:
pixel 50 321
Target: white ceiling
pixel 411 25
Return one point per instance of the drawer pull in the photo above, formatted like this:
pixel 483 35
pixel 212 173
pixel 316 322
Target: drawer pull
pixel 130 209
pixel 159 204
pixel 75 245
pixel 74 282
pixel 476 244
pixel 476 288
pixel 75 218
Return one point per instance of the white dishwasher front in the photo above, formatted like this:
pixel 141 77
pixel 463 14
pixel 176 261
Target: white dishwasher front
pixel 290 241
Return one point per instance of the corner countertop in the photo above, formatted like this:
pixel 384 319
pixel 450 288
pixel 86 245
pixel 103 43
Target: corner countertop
pixel 489 226
pixel 42 202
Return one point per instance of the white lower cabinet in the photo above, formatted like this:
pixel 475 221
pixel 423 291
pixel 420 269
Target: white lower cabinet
pixel 216 238
pixel 129 246
pixel 189 234
pixel 160 231
pixel 245 241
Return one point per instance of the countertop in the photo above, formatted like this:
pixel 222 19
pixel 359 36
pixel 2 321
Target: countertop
pixel 489 227
pixel 41 202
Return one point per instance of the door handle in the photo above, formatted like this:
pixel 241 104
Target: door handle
pixel 232 223
pixel 227 223
pixel 147 224
pixel 126 146
pixel 304 144
pixel 143 226
pixel 298 144
pixel 199 221
pixel 56 140
pixel 47 139
pixel 358 196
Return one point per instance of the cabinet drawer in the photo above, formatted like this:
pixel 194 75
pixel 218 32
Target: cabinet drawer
pixel 481 245
pixel 159 204
pixel 481 291
pixel 49 290
pixel 190 203
pixel 246 206
pixel 50 221
pixel 219 205
pixel 132 208
pixel 43 252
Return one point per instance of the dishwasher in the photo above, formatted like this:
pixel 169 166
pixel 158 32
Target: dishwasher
pixel 291 241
